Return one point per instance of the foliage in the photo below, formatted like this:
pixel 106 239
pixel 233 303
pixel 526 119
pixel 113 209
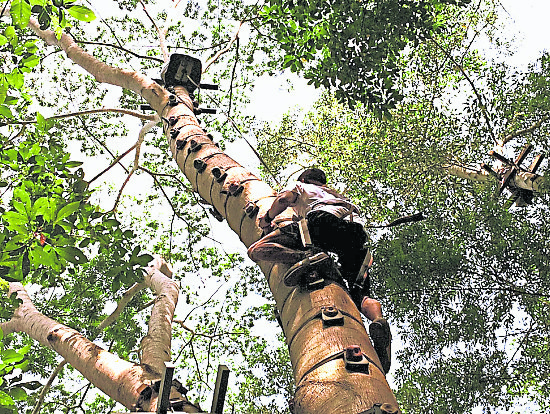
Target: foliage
pixel 13 387
pixel 353 47
pixel 465 288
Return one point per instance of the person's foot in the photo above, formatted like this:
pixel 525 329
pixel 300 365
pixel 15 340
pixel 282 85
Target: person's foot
pixel 296 272
pixel 379 331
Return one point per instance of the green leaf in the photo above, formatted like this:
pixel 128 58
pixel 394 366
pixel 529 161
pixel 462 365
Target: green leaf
pixel 67 210
pixel 5 112
pixel 3 40
pixel 5 399
pixel 72 254
pixel 73 164
pixel 14 218
pixel 9 356
pixel 82 13
pixel 23 196
pixel 41 207
pixel 31 385
pixel 15 79
pixel 30 61
pixel 9 32
pixel 109 223
pixel 144 259
pixel 20 12
pixel 18 394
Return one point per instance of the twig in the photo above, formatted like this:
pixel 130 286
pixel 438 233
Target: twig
pixel 146 128
pixel 224 50
pixel 233 77
pixel 47 386
pixel 182 324
pixel 524 131
pixel 102 144
pixel 120 48
pixel 115 161
pixel 474 88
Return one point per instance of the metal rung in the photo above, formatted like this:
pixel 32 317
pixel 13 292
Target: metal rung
pixel 304 233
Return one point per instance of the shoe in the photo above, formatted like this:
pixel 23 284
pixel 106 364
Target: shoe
pixel 380 335
pixel 296 272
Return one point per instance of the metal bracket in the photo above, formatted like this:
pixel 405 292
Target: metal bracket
pixel 219 174
pixel 314 281
pixel 216 214
pixel 520 196
pixel 235 189
pixel 355 360
pixel 220 390
pixel 251 209
pixel 331 316
pixel 165 387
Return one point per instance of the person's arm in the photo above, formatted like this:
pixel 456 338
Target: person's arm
pixel 283 200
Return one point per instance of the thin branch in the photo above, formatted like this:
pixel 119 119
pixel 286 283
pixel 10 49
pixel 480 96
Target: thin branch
pixel 161 33
pixel 223 51
pixel 102 144
pixel 194 333
pixel 115 161
pixel 146 128
pixel 47 386
pixel 524 131
pixel 120 48
pixel 233 77
pixel 474 89
pixel 202 304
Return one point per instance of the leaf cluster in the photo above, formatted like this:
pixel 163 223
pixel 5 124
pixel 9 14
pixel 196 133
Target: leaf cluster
pixel 13 387
pixel 353 47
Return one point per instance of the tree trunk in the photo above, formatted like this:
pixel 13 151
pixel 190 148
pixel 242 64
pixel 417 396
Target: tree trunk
pixel 125 382
pixel 324 385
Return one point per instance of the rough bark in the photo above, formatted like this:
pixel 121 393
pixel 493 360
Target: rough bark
pixel 322 388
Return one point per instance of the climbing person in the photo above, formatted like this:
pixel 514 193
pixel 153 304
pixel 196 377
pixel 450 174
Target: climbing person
pixel 333 227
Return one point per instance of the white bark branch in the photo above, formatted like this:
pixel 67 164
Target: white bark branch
pixel 121 380
pixel 156 345
pixel 153 93
pixel 466 173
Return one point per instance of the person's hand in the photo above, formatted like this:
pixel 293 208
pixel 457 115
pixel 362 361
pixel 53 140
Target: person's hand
pixel 265 224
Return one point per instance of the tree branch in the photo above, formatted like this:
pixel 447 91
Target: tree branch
pixel 223 51
pixel 139 115
pixel 524 131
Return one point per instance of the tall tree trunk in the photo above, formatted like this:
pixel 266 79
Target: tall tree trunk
pixel 324 385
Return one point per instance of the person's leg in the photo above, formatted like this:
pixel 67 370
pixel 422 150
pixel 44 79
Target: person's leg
pixel 347 240
pixel 277 246
pixel 371 308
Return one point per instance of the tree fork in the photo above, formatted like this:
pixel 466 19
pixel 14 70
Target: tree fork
pixel 323 384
